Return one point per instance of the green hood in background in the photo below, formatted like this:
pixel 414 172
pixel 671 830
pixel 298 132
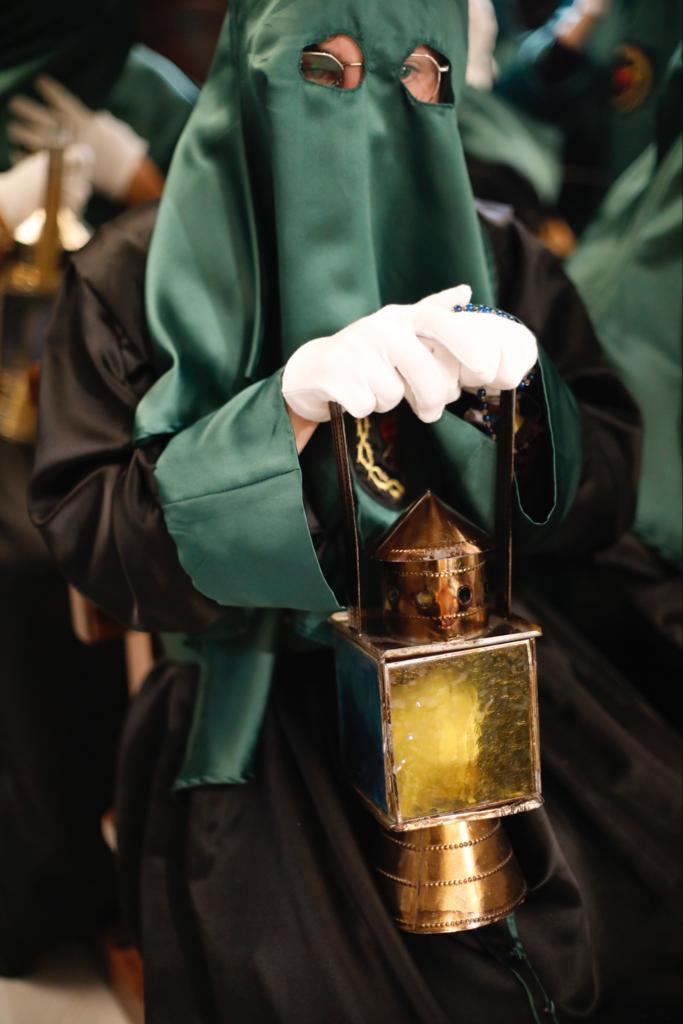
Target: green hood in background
pixel 628 270
pixel 294 209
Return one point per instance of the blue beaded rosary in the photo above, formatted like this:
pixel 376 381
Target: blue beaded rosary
pixel 473 307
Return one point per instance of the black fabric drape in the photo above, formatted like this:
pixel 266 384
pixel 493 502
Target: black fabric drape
pixel 61 709
pixel 533 285
pixel 93 494
pixel 258 904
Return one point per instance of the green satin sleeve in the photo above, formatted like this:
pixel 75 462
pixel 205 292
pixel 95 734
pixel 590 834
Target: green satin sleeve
pixel 231 491
pixel 470 457
pixel 235 676
pixel 155 98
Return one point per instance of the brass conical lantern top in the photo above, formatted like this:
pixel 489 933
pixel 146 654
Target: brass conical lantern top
pixel 432 574
pixel 430 530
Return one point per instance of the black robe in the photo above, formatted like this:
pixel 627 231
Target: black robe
pixel 256 903
pixel 62 706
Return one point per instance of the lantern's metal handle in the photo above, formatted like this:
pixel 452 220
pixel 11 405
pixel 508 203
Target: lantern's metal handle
pixel 505 475
pixel 351 540
pixel 505 469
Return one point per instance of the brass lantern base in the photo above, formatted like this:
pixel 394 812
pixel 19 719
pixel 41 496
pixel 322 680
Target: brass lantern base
pixel 449 878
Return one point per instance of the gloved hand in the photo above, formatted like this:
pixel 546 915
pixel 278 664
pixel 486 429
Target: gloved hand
pixel 424 352
pixel 118 150
pixel 23 187
pixel 495 350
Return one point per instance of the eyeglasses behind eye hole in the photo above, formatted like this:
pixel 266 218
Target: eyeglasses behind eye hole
pixel 325 69
pixel 421 73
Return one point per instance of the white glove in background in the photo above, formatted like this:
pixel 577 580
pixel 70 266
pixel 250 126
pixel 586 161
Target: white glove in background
pixel 22 188
pixel 118 150
pixel 425 353
pixel 482 35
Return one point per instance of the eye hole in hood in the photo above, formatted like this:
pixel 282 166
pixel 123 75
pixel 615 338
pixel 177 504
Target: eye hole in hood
pixel 426 74
pixel 336 62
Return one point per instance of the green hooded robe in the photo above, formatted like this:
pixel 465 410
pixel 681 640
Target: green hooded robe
pixel 290 211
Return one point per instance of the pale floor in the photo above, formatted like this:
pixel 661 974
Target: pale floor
pixel 67 988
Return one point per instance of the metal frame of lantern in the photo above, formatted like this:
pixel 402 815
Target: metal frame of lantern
pixel 386 655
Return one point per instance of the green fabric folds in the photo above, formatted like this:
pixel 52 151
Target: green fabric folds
pixel 290 211
pixel 628 270
pixel 236 664
pixel 231 490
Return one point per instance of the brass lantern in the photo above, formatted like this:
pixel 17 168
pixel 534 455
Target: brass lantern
pixel 439 723
pixel 30 276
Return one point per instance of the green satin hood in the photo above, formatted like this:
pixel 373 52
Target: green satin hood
pixel 292 209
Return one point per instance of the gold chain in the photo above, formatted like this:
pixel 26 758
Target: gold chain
pixel 365 457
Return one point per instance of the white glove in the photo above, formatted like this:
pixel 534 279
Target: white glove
pixel 424 353
pixel 23 187
pixel 118 150
pixel 482 35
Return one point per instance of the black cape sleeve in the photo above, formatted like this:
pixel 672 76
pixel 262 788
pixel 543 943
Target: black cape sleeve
pixel 532 284
pixel 93 494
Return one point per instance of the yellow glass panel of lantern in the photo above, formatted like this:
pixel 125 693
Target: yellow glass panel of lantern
pixel 461 730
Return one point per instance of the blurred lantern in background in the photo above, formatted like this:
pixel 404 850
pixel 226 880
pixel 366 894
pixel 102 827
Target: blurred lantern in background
pixel 30 276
